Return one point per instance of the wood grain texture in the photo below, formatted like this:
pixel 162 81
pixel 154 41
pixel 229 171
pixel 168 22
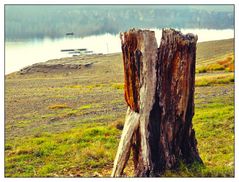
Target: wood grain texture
pixel 174 109
pixel 159 90
pixel 123 153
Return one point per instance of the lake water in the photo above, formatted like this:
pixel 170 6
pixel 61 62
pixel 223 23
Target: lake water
pixel 19 54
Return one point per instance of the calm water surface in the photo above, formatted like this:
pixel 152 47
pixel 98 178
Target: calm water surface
pixel 19 54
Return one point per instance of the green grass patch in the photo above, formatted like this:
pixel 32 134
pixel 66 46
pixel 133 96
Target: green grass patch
pixel 118 86
pixel 87 106
pixel 208 80
pixel 214 125
pixel 210 68
pixel 90 146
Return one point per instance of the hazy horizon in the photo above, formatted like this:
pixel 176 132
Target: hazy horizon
pixel 54 21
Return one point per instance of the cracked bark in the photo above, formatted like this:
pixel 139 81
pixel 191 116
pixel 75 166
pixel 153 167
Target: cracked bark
pixel 159 92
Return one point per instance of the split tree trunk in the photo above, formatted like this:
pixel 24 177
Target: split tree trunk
pixel 159 91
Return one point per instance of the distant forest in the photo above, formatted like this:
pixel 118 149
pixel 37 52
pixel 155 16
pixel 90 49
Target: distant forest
pixel 38 21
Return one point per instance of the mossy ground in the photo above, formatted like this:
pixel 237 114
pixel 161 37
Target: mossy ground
pixel 69 123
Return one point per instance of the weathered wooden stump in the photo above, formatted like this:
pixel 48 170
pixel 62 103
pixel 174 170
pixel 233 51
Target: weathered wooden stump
pixel 159 92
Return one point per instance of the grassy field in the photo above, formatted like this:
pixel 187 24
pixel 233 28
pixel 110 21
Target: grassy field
pixel 69 123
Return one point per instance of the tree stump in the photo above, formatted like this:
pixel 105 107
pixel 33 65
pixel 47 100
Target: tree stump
pixel 159 92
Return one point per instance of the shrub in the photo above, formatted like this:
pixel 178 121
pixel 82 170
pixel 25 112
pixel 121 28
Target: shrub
pixel 228 64
pixel 225 62
pixel 202 69
pixel 215 67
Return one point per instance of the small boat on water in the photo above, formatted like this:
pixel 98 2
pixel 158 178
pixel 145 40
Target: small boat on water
pixel 69 33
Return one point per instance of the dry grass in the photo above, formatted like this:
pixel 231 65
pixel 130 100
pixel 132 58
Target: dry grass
pixel 228 64
pixel 58 106
pixel 219 64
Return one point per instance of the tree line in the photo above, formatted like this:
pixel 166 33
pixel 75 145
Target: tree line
pixel 38 21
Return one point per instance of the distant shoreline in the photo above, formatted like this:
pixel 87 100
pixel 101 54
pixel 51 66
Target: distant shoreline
pixel 64 60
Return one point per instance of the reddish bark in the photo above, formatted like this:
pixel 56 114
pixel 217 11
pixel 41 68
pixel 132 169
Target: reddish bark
pixel 159 85
pixel 171 135
pixel 131 61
